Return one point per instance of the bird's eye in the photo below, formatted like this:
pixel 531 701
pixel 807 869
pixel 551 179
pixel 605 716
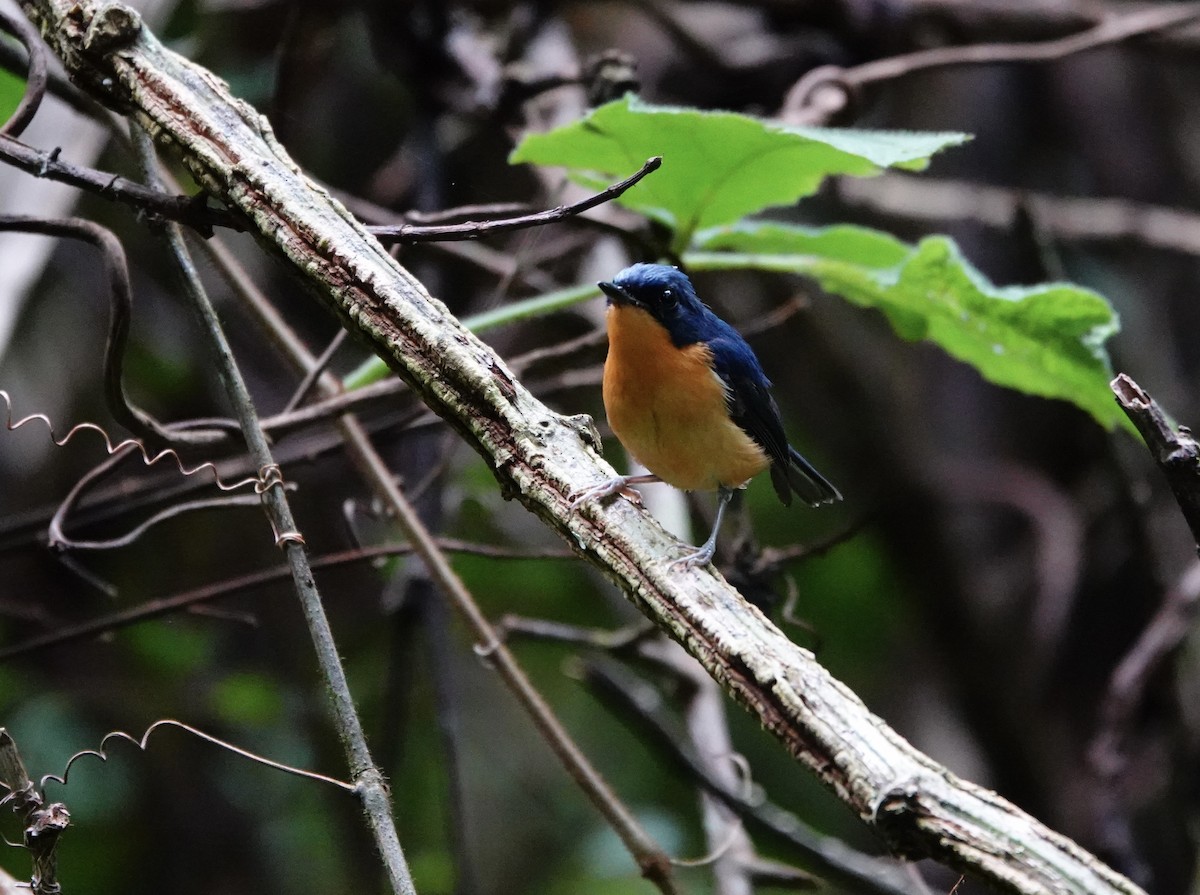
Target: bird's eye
pixel 668 298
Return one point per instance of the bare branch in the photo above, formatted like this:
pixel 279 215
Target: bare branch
pixel 830 858
pixel 153 609
pixel 826 91
pixel 475 229
pixel 1173 447
pixel 44 823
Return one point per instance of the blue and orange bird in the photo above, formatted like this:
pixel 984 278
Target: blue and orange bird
pixel 688 399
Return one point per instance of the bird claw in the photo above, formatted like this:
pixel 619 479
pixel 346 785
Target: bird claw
pixel 694 560
pixel 605 489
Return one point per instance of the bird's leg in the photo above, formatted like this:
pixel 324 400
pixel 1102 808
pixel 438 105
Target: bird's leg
pixel 609 487
pixel 704 554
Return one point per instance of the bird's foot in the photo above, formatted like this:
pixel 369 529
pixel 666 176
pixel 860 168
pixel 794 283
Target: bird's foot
pixel 607 488
pixel 618 485
pixel 694 560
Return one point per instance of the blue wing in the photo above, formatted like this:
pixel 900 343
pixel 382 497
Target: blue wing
pixel 755 411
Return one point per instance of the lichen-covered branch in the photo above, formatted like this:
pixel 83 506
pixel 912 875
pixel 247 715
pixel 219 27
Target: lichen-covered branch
pixel 543 458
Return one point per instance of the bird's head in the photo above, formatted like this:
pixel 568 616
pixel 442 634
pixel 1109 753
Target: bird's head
pixel 663 292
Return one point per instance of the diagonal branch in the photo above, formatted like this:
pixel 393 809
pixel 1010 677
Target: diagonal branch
pixel 543 458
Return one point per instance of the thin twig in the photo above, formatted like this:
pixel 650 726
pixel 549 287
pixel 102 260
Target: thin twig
pixel 56 535
pixel 828 90
pixel 318 367
pixel 194 211
pixel 561 632
pixel 35 79
pixel 169 605
pixel 170 512
pixel 369 781
pixel 116 274
pixel 653 862
pixel 475 229
pixel 824 855
pixel 482 210
pixel 1173 447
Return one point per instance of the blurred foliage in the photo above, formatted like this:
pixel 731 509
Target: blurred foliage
pixel 11 90
pixel 1004 551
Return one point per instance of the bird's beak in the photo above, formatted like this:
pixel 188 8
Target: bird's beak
pixel 617 295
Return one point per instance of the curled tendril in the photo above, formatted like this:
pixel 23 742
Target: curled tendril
pixel 208 738
pixel 259 483
pixel 36 79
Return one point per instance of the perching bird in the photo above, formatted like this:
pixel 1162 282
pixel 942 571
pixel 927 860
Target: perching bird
pixel 688 399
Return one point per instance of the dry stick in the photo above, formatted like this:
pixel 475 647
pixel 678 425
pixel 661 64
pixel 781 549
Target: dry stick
pixel 1173 447
pixel 1032 19
pixel 707 725
pixel 196 213
pixel 44 823
pixel 543 458
pixel 191 210
pixel 827 90
pixel 369 781
pixel 1178 455
pixel 827 856
pixel 475 229
pixel 152 609
pixel 654 863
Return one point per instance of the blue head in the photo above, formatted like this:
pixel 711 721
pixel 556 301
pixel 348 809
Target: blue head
pixel 667 295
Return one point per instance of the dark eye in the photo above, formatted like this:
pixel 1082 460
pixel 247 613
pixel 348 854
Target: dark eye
pixel 668 298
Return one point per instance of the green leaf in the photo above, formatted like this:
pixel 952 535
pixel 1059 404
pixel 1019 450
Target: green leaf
pixel 717 166
pixel 1043 340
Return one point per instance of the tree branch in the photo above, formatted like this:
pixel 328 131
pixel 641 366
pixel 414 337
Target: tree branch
pixel 543 459
pixel 1172 446
pixel 408 233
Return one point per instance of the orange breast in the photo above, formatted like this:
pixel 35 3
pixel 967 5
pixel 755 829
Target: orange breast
pixel 668 408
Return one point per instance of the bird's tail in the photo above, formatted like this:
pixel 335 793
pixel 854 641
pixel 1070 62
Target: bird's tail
pixel 800 477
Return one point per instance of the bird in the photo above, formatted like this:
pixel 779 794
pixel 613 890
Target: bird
pixel 687 397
